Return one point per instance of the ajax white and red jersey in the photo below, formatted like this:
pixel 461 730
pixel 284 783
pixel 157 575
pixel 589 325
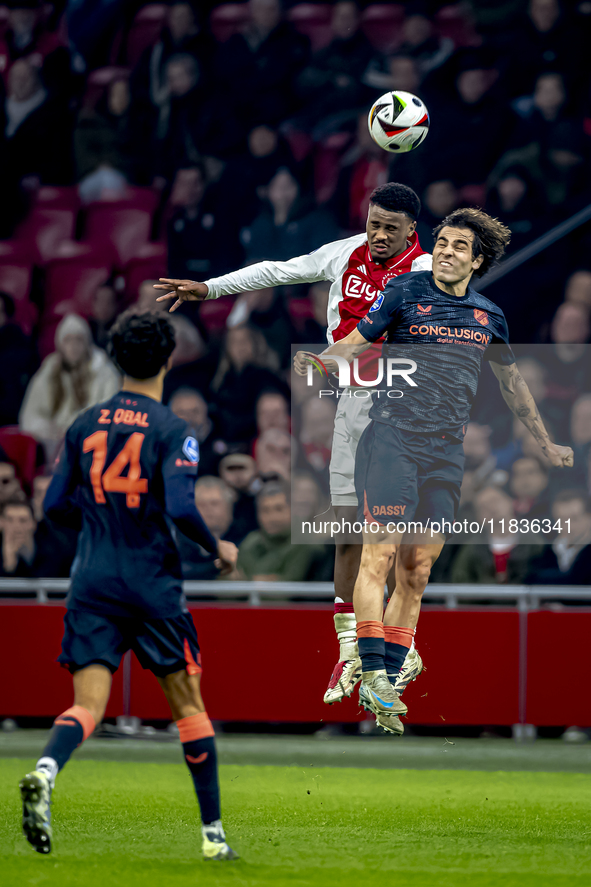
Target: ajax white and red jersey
pixel 356 279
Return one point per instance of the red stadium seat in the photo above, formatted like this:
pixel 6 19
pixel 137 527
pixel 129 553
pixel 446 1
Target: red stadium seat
pixel 71 279
pixel 44 229
pixel 21 449
pixel 313 20
pixel 454 22
pixel 149 264
pixel 227 20
pixel 145 31
pixel 121 227
pixel 327 164
pixel 300 310
pixel 214 314
pixel 382 25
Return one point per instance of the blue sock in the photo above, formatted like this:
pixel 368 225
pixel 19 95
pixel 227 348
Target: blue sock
pixel 201 758
pixel 69 730
pixel 370 640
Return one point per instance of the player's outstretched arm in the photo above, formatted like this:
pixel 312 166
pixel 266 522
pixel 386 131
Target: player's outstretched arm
pixel 519 399
pixel 348 348
pixel 182 291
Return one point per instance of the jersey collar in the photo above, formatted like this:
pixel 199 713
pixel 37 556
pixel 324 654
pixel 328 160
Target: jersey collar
pixel 413 248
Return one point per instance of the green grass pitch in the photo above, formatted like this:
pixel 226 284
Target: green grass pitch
pixel 136 825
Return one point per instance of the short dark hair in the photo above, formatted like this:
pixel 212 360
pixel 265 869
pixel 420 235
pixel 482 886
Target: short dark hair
pixel 572 495
pixel 491 237
pixel 141 344
pixel 396 198
pixel 274 488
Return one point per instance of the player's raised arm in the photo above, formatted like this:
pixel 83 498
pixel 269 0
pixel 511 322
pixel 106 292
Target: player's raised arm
pixel 519 399
pixel 302 269
pixel 348 348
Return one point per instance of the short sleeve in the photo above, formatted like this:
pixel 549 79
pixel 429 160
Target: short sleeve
pixel 499 351
pixel 382 316
pixel 181 454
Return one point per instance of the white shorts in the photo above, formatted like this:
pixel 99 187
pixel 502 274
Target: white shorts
pixel 351 420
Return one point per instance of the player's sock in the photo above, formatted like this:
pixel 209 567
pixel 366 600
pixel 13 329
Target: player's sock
pixel 70 729
pixel 196 734
pixel 345 627
pixel 398 642
pixel 370 638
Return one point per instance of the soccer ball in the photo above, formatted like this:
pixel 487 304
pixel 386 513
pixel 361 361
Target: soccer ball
pixel 398 122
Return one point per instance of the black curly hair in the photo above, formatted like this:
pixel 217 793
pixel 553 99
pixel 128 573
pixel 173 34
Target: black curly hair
pixel 491 237
pixel 396 198
pixel 141 344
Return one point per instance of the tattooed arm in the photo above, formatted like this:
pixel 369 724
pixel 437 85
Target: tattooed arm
pixel 518 398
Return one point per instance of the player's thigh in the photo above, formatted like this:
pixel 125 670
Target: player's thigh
pixel 93 639
pixel 168 646
pixel 351 419
pixel 386 481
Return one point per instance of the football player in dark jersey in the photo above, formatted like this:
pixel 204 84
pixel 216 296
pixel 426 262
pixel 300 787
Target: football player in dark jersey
pixel 126 466
pixel 410 460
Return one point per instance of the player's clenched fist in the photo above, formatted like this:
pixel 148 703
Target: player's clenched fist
pixel 228 555
pixel 182 291
pixel 559 457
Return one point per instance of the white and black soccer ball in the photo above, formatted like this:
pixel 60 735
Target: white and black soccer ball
pixel 398 122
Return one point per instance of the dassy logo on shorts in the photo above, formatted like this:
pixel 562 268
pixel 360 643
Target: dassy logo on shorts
pixel 388 510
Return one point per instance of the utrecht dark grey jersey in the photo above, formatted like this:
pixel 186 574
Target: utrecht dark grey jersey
pixel 448 337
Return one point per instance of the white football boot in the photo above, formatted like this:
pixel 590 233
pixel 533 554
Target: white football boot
pixel 36 797
pixel 347 672
pixel 214 843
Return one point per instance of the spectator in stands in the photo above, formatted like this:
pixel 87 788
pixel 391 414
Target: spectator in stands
pixel 578 289
pixel 567 561
pixel 243 372
pixel 288 225
pixel 60 541
pixel 239 471
pixel 199 244
pixel 10 485
pixel 515 197
pixel 273 454
pixel 529 489
pixel 181 34
pixel 38 129
pixel 188 404
pixel 249 172
pixel 440 198
pixel 478 453
pixel 265 309
pixel 27 37
pixel 316 435
pixel 22 555
pixel 364 166
pixel 506 556
pixel 580 422
pixel 331 85
pixel 106 135
pixel 267 555
pixel 398 71
pixel 272 411
pixel 265 60
pixel 214 500
pixel 567 362
pixel 73 378
pixel 103 313
pixel 420 42
pixel 543 42
pixel 17 362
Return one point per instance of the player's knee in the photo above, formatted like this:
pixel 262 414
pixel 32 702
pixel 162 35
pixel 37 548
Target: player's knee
pixel 416 579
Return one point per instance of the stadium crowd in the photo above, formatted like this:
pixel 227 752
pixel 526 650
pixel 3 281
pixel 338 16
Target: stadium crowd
pixel 186 140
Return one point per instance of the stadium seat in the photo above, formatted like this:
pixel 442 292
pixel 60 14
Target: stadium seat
pixel 121 227
pixel 150 263
pixel 214 313
pixel 44 229
pixel 21 449
pixel 455 22
pixel 313 20
pixel 145 31
pixel 300 310
pixel 71 279
pixel 227 20
pixel 382 25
